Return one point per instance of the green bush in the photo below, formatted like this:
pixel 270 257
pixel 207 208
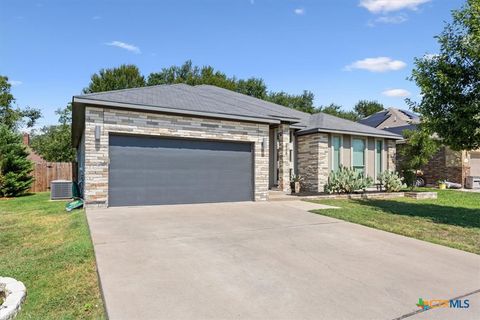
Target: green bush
pixel 15 168
pixel 347 180
pixel 391 181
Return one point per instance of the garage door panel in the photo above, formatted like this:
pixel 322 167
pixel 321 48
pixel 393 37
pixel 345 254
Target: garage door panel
pixel 147 171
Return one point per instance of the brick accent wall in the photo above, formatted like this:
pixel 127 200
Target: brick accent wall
pixel 446 164
pixel 284 164
pixel 133 122
pixel 312 157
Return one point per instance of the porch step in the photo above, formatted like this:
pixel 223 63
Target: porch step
pixel 274 195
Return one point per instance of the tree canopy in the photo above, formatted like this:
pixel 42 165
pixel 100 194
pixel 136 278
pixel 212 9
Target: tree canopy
pixel 129 76
pixel 15 168
pixel 337 111
pixel 450 81
pixel 365 108
pixel 122 77
pixel 13 117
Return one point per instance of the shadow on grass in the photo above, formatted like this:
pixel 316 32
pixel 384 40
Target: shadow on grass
pixel 457 216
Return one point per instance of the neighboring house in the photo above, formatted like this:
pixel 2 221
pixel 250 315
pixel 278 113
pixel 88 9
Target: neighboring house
pixel 32 155
pixel 173 144
pixel 446 164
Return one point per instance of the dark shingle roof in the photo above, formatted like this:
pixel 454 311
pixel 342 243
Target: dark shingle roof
pixel 217 102
pixel 325 122
pixel 399 130
pixel 203 98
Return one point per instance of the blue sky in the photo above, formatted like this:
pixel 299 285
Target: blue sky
pixel 341 50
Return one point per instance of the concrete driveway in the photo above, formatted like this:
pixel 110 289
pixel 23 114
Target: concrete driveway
pixel 270 260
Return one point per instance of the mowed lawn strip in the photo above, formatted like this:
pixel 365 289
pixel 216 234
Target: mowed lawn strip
pixel 50 251
pixel 452 220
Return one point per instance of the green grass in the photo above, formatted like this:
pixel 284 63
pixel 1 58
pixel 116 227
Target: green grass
pixel 50 251
pixel 452 220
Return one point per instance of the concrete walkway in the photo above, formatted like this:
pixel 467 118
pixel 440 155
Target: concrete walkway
pixel 270 260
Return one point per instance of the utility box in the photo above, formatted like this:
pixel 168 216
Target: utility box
pixel 472 182
pixel 60 189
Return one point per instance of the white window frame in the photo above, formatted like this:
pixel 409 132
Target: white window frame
pixel 365 153
pixel 333 150
pixel 382 157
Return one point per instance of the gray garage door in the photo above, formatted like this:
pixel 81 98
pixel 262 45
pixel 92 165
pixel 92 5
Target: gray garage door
pixel 151 170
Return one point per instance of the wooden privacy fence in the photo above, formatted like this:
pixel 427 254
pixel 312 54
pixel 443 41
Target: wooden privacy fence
pixel 45 172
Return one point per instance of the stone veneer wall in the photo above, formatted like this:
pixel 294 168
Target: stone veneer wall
pixel 141 123
pixel 391 155
pixel 312 155
pixel 284 164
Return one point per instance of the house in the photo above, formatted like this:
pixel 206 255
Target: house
pixel 446 164
pixel 172 144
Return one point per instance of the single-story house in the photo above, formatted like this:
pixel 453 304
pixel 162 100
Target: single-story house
pixel 446 164
pixel 173 144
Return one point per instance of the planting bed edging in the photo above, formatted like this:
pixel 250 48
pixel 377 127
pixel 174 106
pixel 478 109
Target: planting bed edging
pixel 15 293
pixel 421 195
pixel 377 195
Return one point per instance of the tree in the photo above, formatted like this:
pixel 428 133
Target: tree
pixel 53 143
pixel 337 111
pixel 123 77
pixel 450 82
pixel 303 102
pixel 15 168
pixel 419 148
pixel 365 108
pixel 12 117
pixel 194 75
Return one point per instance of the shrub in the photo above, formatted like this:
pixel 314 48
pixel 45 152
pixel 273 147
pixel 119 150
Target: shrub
pixel 391 181
pixel 15 168
pixel 347 180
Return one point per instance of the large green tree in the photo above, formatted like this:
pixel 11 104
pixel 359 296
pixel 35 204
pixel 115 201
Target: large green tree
pixel 15 168
pixel 14 117
pixel 365 108
pixel 53 142
pixel 122 77
pixel 418 150
pixel 450 81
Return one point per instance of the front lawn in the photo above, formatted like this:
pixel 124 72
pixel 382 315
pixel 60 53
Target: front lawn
pixel 50 251
pixel 451 220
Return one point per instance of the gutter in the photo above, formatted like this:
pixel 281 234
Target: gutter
pixel 310 131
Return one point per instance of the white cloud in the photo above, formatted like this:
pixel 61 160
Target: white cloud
pixel 15 82
pixel 383 6
pixel 379 64
pixel 299 11
pixel 123 45
pixel 396 93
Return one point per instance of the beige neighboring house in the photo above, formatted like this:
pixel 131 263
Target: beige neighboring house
pixel 172 144
pixel 446 164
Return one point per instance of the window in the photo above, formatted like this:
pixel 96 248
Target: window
pixel 336 152
pixel 290 155
pixel 291 136
pixel 378 157
pixel 358 155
